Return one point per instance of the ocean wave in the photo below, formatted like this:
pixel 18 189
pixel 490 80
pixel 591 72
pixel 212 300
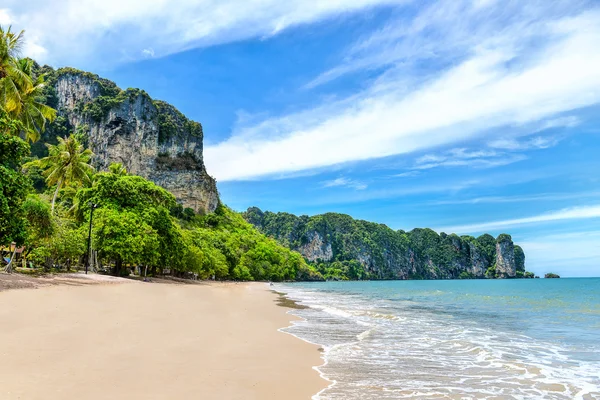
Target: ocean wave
pixel 409 352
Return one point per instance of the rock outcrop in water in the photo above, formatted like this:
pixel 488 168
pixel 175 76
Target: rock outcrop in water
pixel 506 266
pixel 150 138
pixel 342 247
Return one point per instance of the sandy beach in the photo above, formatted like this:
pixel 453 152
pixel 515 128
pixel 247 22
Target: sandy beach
pixel 137 340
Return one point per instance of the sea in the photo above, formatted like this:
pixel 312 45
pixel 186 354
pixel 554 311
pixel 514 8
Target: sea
pixel 453 339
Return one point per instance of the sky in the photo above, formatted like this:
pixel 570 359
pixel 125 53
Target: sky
pixel 466 116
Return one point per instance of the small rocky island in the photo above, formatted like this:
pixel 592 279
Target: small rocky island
pixel 550 275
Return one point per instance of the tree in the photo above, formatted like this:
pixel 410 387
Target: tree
pixel 31 111
pixel 12 79
pixel 124 236
pixel 39 219
pixel 66 163
pixel 14 186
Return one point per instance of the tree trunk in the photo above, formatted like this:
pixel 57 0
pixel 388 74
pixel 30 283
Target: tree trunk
pixel 118 264
pixel 8 268
pixel 58 185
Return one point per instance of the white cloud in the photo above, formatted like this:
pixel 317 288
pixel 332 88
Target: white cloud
pixel 538 142
pixel 500 83
pixel 5 18
pixel 517 199
pixel 345 182
pixel 87 32
pixel 408 174
pixel 149 52
pixel 467 158
pixel 564 214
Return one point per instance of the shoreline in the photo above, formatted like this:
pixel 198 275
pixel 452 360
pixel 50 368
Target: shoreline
pixel 131 339
pixel 285 301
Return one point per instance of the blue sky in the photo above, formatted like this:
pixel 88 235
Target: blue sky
pixel 466 116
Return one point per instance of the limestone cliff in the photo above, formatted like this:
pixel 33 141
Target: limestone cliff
pixel 505 257
pixel 343 247
pixel 150 138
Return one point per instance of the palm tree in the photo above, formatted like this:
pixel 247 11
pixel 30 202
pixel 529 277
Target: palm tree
pixel 12 79
pixel 21 94
pixel 67 162
pixel 31 111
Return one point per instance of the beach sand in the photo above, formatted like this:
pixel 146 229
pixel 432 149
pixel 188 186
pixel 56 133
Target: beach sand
pixel 138 340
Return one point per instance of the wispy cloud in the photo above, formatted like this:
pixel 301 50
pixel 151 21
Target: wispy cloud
pixel 108 31
pixel 517 199
pixel 149 52
pixel 564 214
pixel 408 174
pixel 451 187
pixel 345 182
pixel 464 157
pixel 533 66
pixel 538 142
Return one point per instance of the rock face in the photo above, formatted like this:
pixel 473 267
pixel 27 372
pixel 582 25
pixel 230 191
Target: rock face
pixel 478 264
pixel 365 250
pixel 150 138
pixel 316 248
pixel 505 257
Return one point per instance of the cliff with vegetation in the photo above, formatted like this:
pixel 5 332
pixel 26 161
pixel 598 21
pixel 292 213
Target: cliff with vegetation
pixel 150 138
pixel 341 247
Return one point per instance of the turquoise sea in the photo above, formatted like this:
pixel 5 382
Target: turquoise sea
pixel 462 339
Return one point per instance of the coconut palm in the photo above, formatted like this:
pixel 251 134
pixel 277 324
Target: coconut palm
pixel 31 111
pixel 66 163
pixel 21 95
pixel 12 79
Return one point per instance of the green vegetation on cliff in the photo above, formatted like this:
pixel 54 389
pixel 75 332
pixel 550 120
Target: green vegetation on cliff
pixel 341 247
pixel 107 97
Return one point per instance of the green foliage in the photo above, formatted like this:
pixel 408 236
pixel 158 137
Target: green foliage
pixel 519 259
pixel 171 123
pixel 466 275
pixel 35 174
pixel 139 223
pixel 99 107
pixel 67 163
pixel 245 252
pixel 106 87
pixel 14 185
pixel 123 192
pixel 551 275
pixel 126 237
pixel 39 218
pixel 491 272
pixel 487 246
pixel 365 250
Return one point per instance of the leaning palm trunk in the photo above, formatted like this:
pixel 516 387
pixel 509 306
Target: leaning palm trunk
pixel 8 268
pixel 58 185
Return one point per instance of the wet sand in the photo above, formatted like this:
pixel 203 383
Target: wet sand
pixel 151 341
